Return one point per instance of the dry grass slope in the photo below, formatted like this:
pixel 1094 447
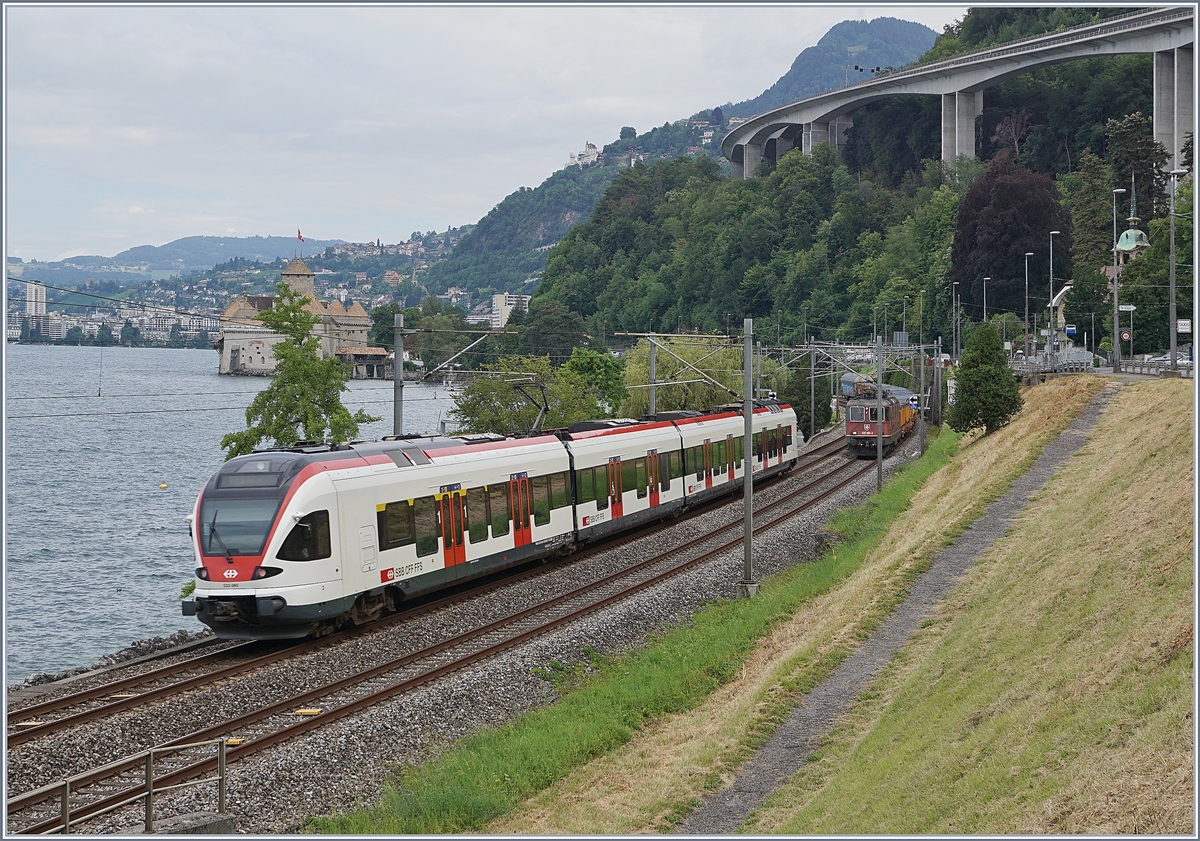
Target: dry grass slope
pixel 644 785
pixel 1054 694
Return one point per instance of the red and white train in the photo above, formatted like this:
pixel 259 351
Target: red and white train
pixel 301 540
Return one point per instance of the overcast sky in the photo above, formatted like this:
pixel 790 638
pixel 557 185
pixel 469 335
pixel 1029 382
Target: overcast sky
pixel 138 125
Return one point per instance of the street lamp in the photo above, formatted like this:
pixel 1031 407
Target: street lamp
pixel 1053 320
pixel 1028 254
pixel 1175 173
pixel 985 280
pixel 954 320
pixel 1116 317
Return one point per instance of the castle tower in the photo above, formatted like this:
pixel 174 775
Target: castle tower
pixel 300 277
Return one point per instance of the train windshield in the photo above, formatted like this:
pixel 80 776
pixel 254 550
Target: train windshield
pixel 233 526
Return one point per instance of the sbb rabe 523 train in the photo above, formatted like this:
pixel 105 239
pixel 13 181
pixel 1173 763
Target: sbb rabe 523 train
pixel 302 540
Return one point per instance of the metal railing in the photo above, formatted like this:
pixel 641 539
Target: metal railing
pixel 147 793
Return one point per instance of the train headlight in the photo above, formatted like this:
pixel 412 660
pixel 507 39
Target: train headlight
pixel 202 573
pixel 259 572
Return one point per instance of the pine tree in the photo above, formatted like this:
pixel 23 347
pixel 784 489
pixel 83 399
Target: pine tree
pixel 986 394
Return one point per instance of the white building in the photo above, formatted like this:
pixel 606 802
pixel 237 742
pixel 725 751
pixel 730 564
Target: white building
pixel 35 298
pixel 503 305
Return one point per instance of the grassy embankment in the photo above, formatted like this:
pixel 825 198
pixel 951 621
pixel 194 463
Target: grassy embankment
pixel 632 748
pixel 1054 691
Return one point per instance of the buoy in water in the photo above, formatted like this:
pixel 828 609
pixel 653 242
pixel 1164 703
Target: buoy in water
pixel 163 486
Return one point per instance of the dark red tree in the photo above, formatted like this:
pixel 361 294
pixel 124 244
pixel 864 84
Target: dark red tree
pixel 1004 214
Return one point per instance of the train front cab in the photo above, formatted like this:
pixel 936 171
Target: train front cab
pixel 625 473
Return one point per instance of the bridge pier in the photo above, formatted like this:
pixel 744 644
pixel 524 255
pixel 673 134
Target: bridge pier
pixel 959 112
pixel 1174 92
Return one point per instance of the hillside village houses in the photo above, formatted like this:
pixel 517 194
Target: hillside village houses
pixel 245 344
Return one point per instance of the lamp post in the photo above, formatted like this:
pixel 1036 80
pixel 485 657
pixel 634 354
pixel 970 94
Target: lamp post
pixel 1053 320
pixel 1028 254
pixel 985 280
pixel 1175 173
pixel 1116 316
pixel 954 321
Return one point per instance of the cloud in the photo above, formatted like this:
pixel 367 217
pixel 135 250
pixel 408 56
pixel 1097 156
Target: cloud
pixel 366 121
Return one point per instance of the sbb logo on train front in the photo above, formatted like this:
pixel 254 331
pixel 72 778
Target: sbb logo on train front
pixel 231 573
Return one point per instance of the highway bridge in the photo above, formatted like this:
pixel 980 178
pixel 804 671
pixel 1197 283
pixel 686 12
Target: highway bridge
pixel 1168 33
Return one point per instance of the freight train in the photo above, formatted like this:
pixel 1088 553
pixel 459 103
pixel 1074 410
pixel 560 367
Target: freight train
pixel 863 422
pixel 303 540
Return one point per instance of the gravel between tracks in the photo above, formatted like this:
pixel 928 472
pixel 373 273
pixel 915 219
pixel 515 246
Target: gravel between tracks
pixel 348 762
pixel 799 736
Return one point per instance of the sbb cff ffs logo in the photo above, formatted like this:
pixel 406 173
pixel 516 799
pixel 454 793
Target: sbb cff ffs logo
pixel 231 573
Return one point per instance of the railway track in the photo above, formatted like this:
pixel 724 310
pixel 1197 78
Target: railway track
pixel 26 724
pixel 301 713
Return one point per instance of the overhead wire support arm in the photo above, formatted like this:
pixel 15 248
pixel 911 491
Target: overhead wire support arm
pixel 430 373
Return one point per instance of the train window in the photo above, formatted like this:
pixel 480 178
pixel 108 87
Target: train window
pixel 739 449
pixel 541 500
pixel 426 525
pixel 856 414
pixel 585 491
pixel 560 495
pixel 498 501
pixel 395 525
pixel 600 475
pixel 772 443
pixel 664 472
pixel 696 465
pixel 787 437
pixel 477 514
pixel 639 476
pixel 875 413
pixel 758 448
pixel 308 539
pixel 720 457
pixel 628 475
pixel 674 465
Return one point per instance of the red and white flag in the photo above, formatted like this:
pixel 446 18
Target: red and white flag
pixel 298 235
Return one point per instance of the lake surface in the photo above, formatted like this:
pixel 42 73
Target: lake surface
pixel 95 551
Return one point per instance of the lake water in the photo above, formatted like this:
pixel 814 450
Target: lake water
pixel 95 551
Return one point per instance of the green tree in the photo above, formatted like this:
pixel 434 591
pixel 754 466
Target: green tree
pixel 303 401
pixel 130 335
pixel 176 336
pixel 677 386
pixel 603 373
pixel 1134 154
pixel 74 336
pixel 986 394
pixel 628 132
pixel 509 394
pixel 104 335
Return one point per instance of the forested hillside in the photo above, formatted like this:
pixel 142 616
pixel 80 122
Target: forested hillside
pixel 507 247
pixel 842 249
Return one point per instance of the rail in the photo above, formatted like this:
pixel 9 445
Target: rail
pixel 64 826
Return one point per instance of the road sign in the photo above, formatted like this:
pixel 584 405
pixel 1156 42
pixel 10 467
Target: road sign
pixel 1127 308
pixel 1070 329
pixel 1126 335
pixel 1183 325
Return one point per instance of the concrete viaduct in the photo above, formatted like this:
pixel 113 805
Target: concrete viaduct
pixel 1168 33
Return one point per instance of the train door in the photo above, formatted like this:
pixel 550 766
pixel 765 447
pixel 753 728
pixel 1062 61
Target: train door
pixel 453 549
pixel 653 476
pixel 729 454
pixel 518 492
pixel 614 487
pixel 708 463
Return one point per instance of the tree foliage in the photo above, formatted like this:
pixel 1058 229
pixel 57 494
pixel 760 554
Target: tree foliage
pixel 1009 211
pixel 986 394
pixel 303 401
pixel 509 394
pixel 678 387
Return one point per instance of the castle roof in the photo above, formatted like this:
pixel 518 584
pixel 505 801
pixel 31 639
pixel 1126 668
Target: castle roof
pixel 298 266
